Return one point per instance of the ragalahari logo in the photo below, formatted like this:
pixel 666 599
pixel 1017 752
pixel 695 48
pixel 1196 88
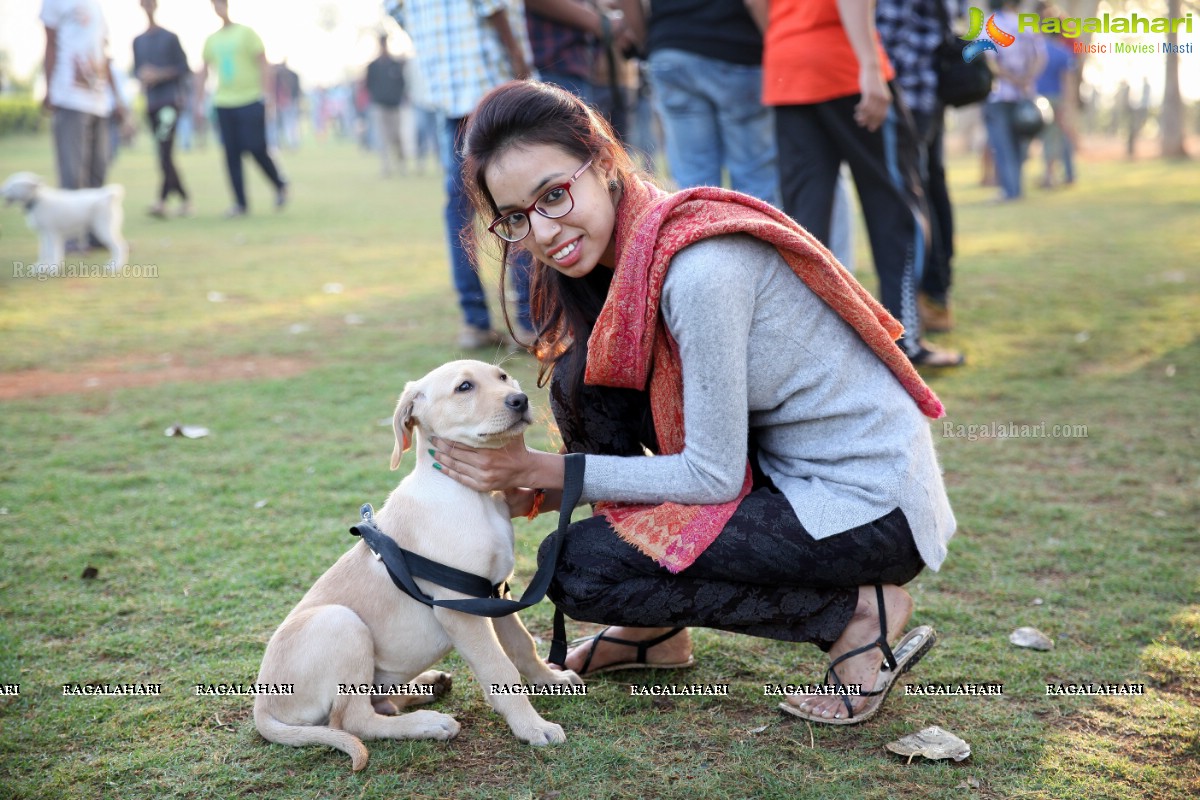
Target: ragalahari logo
pixel 996 36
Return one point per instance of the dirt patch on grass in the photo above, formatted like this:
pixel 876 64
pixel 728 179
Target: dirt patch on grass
pixel 109 374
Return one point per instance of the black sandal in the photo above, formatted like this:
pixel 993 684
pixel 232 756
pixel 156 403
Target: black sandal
pixel 909 650
pixel 639 661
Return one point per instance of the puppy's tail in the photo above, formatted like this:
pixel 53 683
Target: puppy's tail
pixel 299 735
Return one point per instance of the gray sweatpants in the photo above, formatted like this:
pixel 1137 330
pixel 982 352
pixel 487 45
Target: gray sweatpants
pixel 81 148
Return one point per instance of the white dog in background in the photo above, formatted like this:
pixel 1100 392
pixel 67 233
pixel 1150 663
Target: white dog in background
pixel 57 215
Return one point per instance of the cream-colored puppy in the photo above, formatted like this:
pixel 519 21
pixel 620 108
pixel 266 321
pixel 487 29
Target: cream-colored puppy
pixel 354 627
pixel 57 215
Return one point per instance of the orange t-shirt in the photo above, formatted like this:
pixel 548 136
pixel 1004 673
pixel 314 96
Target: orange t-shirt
pixel 807 56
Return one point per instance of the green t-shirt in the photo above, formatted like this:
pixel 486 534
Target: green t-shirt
pixel 234 52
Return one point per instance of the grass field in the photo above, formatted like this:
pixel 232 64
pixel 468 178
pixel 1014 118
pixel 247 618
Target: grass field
pixel 1078 309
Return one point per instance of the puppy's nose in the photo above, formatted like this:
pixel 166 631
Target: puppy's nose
pixel 517 402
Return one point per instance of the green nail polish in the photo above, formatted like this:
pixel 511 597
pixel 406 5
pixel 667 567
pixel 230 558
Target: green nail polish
pixel 431 451
pixel 437 465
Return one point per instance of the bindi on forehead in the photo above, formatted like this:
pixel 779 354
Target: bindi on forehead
pixel 526 171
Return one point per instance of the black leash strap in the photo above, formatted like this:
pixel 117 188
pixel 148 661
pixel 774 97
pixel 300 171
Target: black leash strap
pixel 486 601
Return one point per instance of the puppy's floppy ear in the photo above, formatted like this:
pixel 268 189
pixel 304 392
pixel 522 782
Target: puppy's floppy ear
pixel 402 422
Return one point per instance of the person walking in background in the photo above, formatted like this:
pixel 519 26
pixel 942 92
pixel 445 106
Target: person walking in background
pixel 287 106
pixel 1057 137
pixel 464 48
pixel 1016 68
pixel 243 92
pixel 161 65
pixel 1139 112
pixel 911 31
pixel 425 131
pixel 827 75
pixel 388 90
pixel 78 85
pixel 705 73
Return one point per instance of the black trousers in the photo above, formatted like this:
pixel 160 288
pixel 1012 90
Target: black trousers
pixel 764 575
pixel 244 130
pixel 813 142
pixel 937 278
pixel 163 123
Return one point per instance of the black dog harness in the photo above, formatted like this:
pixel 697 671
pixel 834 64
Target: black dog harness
pixel 486 599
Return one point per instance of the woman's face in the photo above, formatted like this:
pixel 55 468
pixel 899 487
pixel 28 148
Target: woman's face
pixel 576 242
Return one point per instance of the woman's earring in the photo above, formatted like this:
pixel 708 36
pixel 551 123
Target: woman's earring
pixel 613 184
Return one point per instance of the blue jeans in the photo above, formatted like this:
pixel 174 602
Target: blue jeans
pixel 459 215
pixel 713 118
pixel 1008 147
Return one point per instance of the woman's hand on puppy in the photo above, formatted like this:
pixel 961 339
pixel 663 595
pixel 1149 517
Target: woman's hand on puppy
pixel 488 469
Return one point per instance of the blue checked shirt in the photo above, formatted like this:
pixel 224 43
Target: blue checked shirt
pixel 910 31
pixel 459 54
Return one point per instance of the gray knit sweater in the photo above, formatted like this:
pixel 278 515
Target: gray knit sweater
pixel 763 355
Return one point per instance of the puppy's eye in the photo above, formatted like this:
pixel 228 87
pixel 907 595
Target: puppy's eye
pixel 465 386
pixel 503 377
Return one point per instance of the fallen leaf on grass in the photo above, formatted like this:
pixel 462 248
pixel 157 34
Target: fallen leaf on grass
pixel 186 431
pixel 89 573
pixel 932 743
pixel 1031 638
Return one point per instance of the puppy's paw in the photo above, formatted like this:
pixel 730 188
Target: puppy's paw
pixel 437 684
pixel 433 725
pixel 442 682
pixel 556 677
pixel 569 676
pixel 540 733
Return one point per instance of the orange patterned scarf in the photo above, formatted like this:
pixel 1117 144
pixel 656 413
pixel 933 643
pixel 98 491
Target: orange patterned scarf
pixel 631 346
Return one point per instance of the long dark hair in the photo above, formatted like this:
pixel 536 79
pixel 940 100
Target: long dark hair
pixel 530 113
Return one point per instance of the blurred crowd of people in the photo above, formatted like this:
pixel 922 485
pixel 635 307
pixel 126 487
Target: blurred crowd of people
pixel 788 101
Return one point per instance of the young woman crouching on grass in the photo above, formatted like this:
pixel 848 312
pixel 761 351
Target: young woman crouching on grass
pixel 794 487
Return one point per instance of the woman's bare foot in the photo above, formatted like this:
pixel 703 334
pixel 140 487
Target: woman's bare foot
pixel 861 670
pixel 604 653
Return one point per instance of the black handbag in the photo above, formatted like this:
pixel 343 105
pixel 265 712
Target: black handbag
pixel 959 83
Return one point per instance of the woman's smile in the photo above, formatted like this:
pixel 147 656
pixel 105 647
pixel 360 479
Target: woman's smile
pixel 568 254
